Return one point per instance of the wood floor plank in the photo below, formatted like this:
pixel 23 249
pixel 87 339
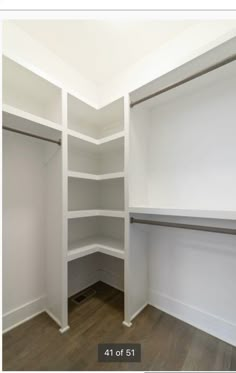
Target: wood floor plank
pixel 167 343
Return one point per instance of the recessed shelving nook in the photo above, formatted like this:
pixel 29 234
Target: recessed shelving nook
pixel 96 182
pixel 95 234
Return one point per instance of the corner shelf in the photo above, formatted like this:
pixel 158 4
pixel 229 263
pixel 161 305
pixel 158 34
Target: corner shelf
pixel 94 141
pixel 92 245
pixel 208 214
pixel 84 175
pixel 88 213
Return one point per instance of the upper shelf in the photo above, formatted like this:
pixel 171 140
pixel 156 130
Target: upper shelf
pixel 28 92
pixel 208 214
pixel 202 62
pixel 20 120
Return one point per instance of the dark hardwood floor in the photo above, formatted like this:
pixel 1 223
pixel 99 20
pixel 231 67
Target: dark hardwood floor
pixel 167 343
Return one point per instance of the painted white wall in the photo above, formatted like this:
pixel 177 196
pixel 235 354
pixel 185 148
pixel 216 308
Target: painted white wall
pixel 184 147
pixel 192 276
pixel 23 223
pixel 192 153
pixel 31 229
pixel 88 270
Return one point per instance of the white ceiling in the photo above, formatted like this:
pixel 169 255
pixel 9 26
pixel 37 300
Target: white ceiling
pixel 98 49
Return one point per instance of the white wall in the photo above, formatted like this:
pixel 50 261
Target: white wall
pixel 192 153
pixel 192 276
pixel 23 227
pixel 88 270
pixel 183 144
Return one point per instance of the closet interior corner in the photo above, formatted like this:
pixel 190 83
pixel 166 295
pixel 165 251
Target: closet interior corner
pixel 130 194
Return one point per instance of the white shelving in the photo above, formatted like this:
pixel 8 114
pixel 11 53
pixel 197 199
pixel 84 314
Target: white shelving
pixel 28 92
pixel 175 150
pixel 84 175
pixel 87 157
pixel 19 119
pixel 92 245
pixel 96 178
pixel 86 213
pixel 208 214
pixel 89 139
pixel 93 123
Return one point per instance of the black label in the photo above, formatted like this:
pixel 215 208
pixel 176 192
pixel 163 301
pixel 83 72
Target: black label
pixel 119 352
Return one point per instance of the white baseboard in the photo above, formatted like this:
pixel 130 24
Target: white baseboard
pixel 127 324
pixel 202 320
pixel 63 330
pixel 22 314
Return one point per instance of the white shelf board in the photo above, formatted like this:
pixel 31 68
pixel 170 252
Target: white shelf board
pixel 113 137
pixel 208 214
pixel 94 141
pixel 81 136
pixel 92 245
pixel 20 114
pixel 88 213
pixel 84 175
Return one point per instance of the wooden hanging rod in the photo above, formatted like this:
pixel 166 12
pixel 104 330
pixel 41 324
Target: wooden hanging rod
pixel 184 226
pixel 188 79
pixel 58 142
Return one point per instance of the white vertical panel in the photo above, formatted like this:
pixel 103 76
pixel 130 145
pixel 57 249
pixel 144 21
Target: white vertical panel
pixel 138 170
pixel 126 195
pixel 53 198
pixel 138 270
pixel 64 268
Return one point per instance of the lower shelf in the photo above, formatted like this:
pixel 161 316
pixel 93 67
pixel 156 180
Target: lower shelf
pixel 92 245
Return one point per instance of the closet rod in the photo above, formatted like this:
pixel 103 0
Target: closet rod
pixel 184 226
pixel 188 79
pixel 58 142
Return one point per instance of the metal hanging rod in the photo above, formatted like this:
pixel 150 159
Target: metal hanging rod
pixel 188 79
pixel 58 142
pixel 184 226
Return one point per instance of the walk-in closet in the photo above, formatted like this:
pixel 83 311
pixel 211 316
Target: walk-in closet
pixel 119 194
